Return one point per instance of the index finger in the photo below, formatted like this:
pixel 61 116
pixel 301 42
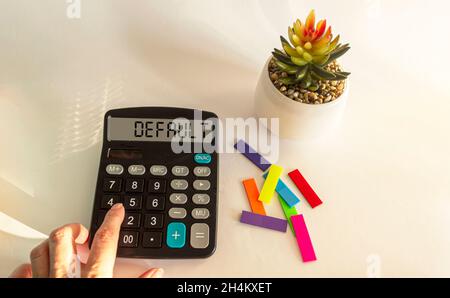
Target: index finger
pixel 104 246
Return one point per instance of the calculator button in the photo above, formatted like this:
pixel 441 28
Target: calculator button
pixel 202 185
pixel 114 169
pixel 109 200
pixel 152 240
pixel 178 198
pixel 112 185
pixel 179 184
pixel 201 199
pixel 132 220
pixel 202 171
pixel 128 239
pixel 199 235
pixel 135 185
pixel 154 221
pixel 200 213
pixel 180 171
pixel 156 186
pixel 177 213
pixel 155 203
pixel 202 158
pixel 132 202
pixel 158 170
pixel 136 170
pixel 176 235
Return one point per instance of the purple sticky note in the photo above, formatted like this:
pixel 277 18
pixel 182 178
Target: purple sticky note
pixel 252 155
pixel 263 221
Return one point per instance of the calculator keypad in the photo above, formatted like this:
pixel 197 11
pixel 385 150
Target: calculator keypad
pixel 132 202
pixel 178 198
pixel 154 221
pixel 135 185
pixel 201 185
pixel 179 184
pixel 165 206
pixel 155 203
pixel 112 185
pixel 180 171
pixel 132 220
pixel 113 169
pixel 136 170
pixel 128 239
pixel 177 213
pixel 201 199
pixel 152 240
pixel 156 186
pixel 158 170
pixel 110 200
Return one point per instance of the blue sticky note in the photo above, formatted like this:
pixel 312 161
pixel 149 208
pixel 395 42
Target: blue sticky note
pixel 285 193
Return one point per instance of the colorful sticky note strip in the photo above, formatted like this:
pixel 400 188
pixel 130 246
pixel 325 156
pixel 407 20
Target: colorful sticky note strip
pixel 307 191
pixel 262 221
pixel 252 194
pixel 303 239
pixel 286 193
pixel 288 212
pixel 270 184
pixel 252 155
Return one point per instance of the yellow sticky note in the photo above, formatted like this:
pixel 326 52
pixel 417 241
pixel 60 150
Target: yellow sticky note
pixel 270 184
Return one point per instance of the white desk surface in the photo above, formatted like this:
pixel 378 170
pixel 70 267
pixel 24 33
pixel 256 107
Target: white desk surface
pixel 384 175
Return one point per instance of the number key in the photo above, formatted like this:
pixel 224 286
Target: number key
pixel 153 221
pixel 135 185
pixel 132 220
pixel 109 200
pixel 128 239
pixel 155 203
pixel 112 184
pixel 132 202
pixel 156 186
pixel 152 240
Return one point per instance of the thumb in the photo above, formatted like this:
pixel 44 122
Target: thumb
pixel 153 273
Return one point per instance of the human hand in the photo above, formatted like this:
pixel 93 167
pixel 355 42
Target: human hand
pixel 54 256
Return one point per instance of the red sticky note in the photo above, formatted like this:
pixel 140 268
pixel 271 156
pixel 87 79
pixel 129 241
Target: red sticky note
pixel 303 239
pixel 307 191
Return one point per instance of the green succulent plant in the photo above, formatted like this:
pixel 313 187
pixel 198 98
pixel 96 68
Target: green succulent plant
pixel 307 54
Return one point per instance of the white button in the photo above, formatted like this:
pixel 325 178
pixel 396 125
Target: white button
pixel 202 185
pixel 136 170
pixel 178 198
pixel 114 169
pixel 201 199
pixel 158 170
pixel 179 184
pixel 202 171
pixel 200 213
pixel 177 213
pixel 199 235
pixel 180 171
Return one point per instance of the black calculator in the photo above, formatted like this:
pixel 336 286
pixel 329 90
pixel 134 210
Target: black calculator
pixel 162 164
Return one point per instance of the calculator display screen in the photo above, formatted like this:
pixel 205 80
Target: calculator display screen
pixel 157 130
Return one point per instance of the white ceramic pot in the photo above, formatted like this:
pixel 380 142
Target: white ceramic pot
pixel 297 120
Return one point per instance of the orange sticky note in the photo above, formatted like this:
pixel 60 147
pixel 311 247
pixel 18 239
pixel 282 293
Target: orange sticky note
pixel 252 194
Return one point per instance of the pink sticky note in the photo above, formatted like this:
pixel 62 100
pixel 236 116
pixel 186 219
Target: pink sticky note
pixel 303 239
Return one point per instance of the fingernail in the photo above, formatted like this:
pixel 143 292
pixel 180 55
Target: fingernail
pixel 158 273
pixel 117 206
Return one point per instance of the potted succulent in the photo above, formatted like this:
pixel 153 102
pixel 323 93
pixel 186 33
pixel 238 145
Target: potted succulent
pixel 303 84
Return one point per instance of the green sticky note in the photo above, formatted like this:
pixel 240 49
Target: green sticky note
pixel 288 212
